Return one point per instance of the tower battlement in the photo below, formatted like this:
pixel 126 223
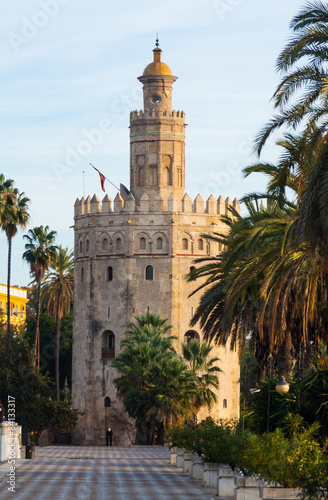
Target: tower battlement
pixel 91 206
pixel 152 113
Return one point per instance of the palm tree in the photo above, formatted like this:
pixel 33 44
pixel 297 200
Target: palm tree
pixel 196 355
pixel 13 214
pixel 57 294
pixel 39 253
pixel 310 44
pixel 156 385
pixel 235 301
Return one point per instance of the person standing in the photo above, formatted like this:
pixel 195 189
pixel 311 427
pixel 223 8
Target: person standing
pixel 109 437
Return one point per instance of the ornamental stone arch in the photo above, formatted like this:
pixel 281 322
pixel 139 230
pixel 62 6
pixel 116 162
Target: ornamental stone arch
pixel 104 243
pixel 142 242
pixel 191 335
pixel 160 243
pixel 118 242
pixel 185 243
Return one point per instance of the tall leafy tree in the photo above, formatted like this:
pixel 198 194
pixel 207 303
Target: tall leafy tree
pixel 57 294
pixel 40 250
pixel 13 214
pixel 301 97
pixel 159 387
pixel 197 356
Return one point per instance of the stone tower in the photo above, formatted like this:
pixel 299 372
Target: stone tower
pixel 132 255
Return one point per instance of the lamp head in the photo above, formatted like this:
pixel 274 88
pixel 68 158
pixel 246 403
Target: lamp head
pixel 282 386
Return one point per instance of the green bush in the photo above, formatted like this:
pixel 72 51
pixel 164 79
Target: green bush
pixel 297 461
pixel 218 442
pixel 183 436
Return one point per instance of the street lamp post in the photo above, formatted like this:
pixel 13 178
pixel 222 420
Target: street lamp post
pixel 282 386
pixel 269 393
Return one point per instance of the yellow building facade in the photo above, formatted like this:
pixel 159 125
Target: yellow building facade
pixel 18 301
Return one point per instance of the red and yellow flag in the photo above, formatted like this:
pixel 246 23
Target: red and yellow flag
pixel 102 178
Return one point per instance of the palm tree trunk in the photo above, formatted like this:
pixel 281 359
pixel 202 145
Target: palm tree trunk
pixel 8 299
pixel 37 327
pixel 285 360
pixel 58 321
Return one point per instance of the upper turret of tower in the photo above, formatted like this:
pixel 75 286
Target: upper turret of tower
pixel 157 67
pixel 157 82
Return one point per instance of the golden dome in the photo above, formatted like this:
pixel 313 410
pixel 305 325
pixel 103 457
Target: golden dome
pixel 157 67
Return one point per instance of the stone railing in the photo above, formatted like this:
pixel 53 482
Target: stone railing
pixel 10 441
pixel 229 484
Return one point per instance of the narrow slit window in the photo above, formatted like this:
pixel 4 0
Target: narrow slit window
pixel 109 273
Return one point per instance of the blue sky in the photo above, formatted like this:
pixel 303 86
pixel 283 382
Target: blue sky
pixel 70 67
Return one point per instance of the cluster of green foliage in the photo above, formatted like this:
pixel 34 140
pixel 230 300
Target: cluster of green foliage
pixel 48 344
pixel 291 457
pixel 158 387
pixel 270 283
pixel 216 442
pixel 35 408
pixel 307 396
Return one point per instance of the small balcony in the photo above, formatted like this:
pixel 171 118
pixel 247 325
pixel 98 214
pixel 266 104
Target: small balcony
pixel 108 353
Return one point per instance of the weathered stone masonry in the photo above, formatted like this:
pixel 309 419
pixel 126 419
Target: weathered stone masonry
pixel 132 255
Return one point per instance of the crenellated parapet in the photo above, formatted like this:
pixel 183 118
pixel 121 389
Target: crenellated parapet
pixel 172 203
pixel 153 113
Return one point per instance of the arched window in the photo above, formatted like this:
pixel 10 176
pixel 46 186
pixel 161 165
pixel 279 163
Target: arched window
pixel 159 243
pixel 142 243
pixel 225 403
pixel 118 244
pixel 109 273
pixel 153 176
pixel 87 246
pixel 200 245
pixel 149 273
pixel 140 177
pixel 167 176
pixel 179 175
pixel 107 402
pixel 185 244
pixel 104 244
pixel 82 274
pixel 81 246
pixel 192 269
pixel 108 345
pixel 191 335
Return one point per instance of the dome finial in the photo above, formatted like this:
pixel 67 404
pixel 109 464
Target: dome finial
pixel 157 41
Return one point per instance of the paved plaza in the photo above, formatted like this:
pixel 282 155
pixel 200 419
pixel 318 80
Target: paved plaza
pixel 117 473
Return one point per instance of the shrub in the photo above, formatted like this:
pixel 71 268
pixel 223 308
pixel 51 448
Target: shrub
pixel 297 461
pixel 183 436
pixel 218 442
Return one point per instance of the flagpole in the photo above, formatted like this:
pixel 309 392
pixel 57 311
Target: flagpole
pixel 110 182
pixel 106 178
pixel 83 184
